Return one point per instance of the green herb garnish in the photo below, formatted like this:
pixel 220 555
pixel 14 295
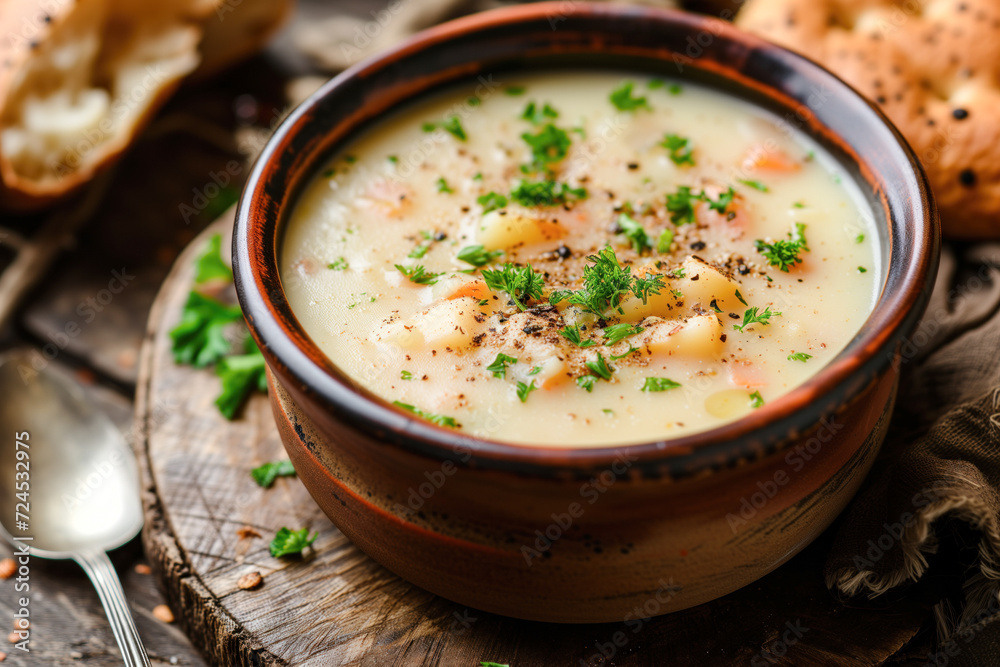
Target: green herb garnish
pixel 740 297
pixel 677 144
pixel 665 240
pixel 756 400
pixel 619 332
pixel 265 474
pixel 287 542
pixel 680 205
pixel 199 338
pixel 606 283
pixel 499 366
pixel 548 146
pixel 240 375
pixel 599 367
pixel 453 126
pixel 491 201
pixel 338 264
pixel 757 185
pixel 514 91
pixel 623 99
pixel 440 420
pixel 659 384
pixel 799 356
pixel 722 203
pixel 545 193
pixel 862 269
pixel 572 334
pixel 537 115
pixel 860 238
pixel 405 375
pixel 521 283
pixel 586 382
pixel 477 255
pixel 209 265
pixel 418 274
pixel 524 389
pixel 753 316
pixel 442 186
pixel 634 232
pixel 784 254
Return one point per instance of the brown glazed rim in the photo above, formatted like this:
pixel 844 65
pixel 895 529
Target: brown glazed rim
pixel 560 34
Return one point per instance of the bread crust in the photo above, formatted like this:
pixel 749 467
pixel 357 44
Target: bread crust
pixel 933 66
pixel 79 79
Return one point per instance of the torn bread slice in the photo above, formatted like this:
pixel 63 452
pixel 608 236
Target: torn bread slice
pixel 79 79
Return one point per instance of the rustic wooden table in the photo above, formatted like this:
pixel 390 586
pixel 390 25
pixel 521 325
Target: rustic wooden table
pixel 137 231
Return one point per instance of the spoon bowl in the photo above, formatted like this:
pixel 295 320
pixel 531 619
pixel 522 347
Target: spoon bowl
pixel 69 483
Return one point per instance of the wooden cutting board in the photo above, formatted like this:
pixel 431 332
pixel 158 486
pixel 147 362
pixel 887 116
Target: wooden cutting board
pixel 338 607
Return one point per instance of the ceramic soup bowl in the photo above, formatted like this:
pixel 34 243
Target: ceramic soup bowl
pixel 588 534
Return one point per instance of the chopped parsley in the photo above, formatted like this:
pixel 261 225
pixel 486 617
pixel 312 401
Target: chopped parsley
pixel 491 201
pixel 722 203
pixel 754 316
pixel 798 204
pixel 799 356
pixel 548 146
pixel 265 474
pixel 572 334
pixel 393 159
pixel 199 339
pixel 757 185
pixel 659 384
pixel 209 265
pixel 675 89
pixel 599 367
pixel 537 115
pixel 405 375
pixel 860 238
pixel 419 251
pixel 524 389
pixel 418 274
pixel 784 254
pixel 514 91
pixel 680 205
pixel 862 269
pixel 338 264
pixel 619 332
pixel 740 297
pixel 287 542
pixel 499 366
pixel 535 370
pixel 442 186
pixel 477 255
pixel 240 375
pixel 452 126
pixel 634 232
pixel 623 99
pixel 756 400
pixel 586 382
pixel 545 193
pixel 677 145
pixel 606 283
pixel 521 283
pixel 665 240
pixel 440 420
pixel 631 349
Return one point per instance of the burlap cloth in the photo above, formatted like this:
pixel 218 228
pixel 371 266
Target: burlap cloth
pixel 926 525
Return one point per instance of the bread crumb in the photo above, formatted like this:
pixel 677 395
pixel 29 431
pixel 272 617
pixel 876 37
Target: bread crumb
pixel 162 613
pixel 250 581
pixel 142 568
pixel 7 568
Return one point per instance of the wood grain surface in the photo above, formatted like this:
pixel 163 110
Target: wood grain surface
pixel 337 607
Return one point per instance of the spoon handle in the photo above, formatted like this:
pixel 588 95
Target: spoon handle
pixel 102 574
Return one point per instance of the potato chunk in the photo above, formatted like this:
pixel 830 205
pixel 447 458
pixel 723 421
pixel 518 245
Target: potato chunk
pixel 451 324
pixel 700 336
pixel 504 229
pixel 702 283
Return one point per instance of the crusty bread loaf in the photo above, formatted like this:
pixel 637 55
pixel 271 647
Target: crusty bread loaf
pixel 79 78
pixel 934 68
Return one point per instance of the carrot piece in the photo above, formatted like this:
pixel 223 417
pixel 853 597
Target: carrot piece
pixel 475 288
pixel 759 158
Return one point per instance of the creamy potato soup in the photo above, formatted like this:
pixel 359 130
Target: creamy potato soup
pixel 581 259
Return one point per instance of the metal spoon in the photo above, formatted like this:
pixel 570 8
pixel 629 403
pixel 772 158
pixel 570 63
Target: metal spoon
pixel 82 483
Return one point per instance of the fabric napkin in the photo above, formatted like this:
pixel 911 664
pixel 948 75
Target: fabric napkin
pixel 932 504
